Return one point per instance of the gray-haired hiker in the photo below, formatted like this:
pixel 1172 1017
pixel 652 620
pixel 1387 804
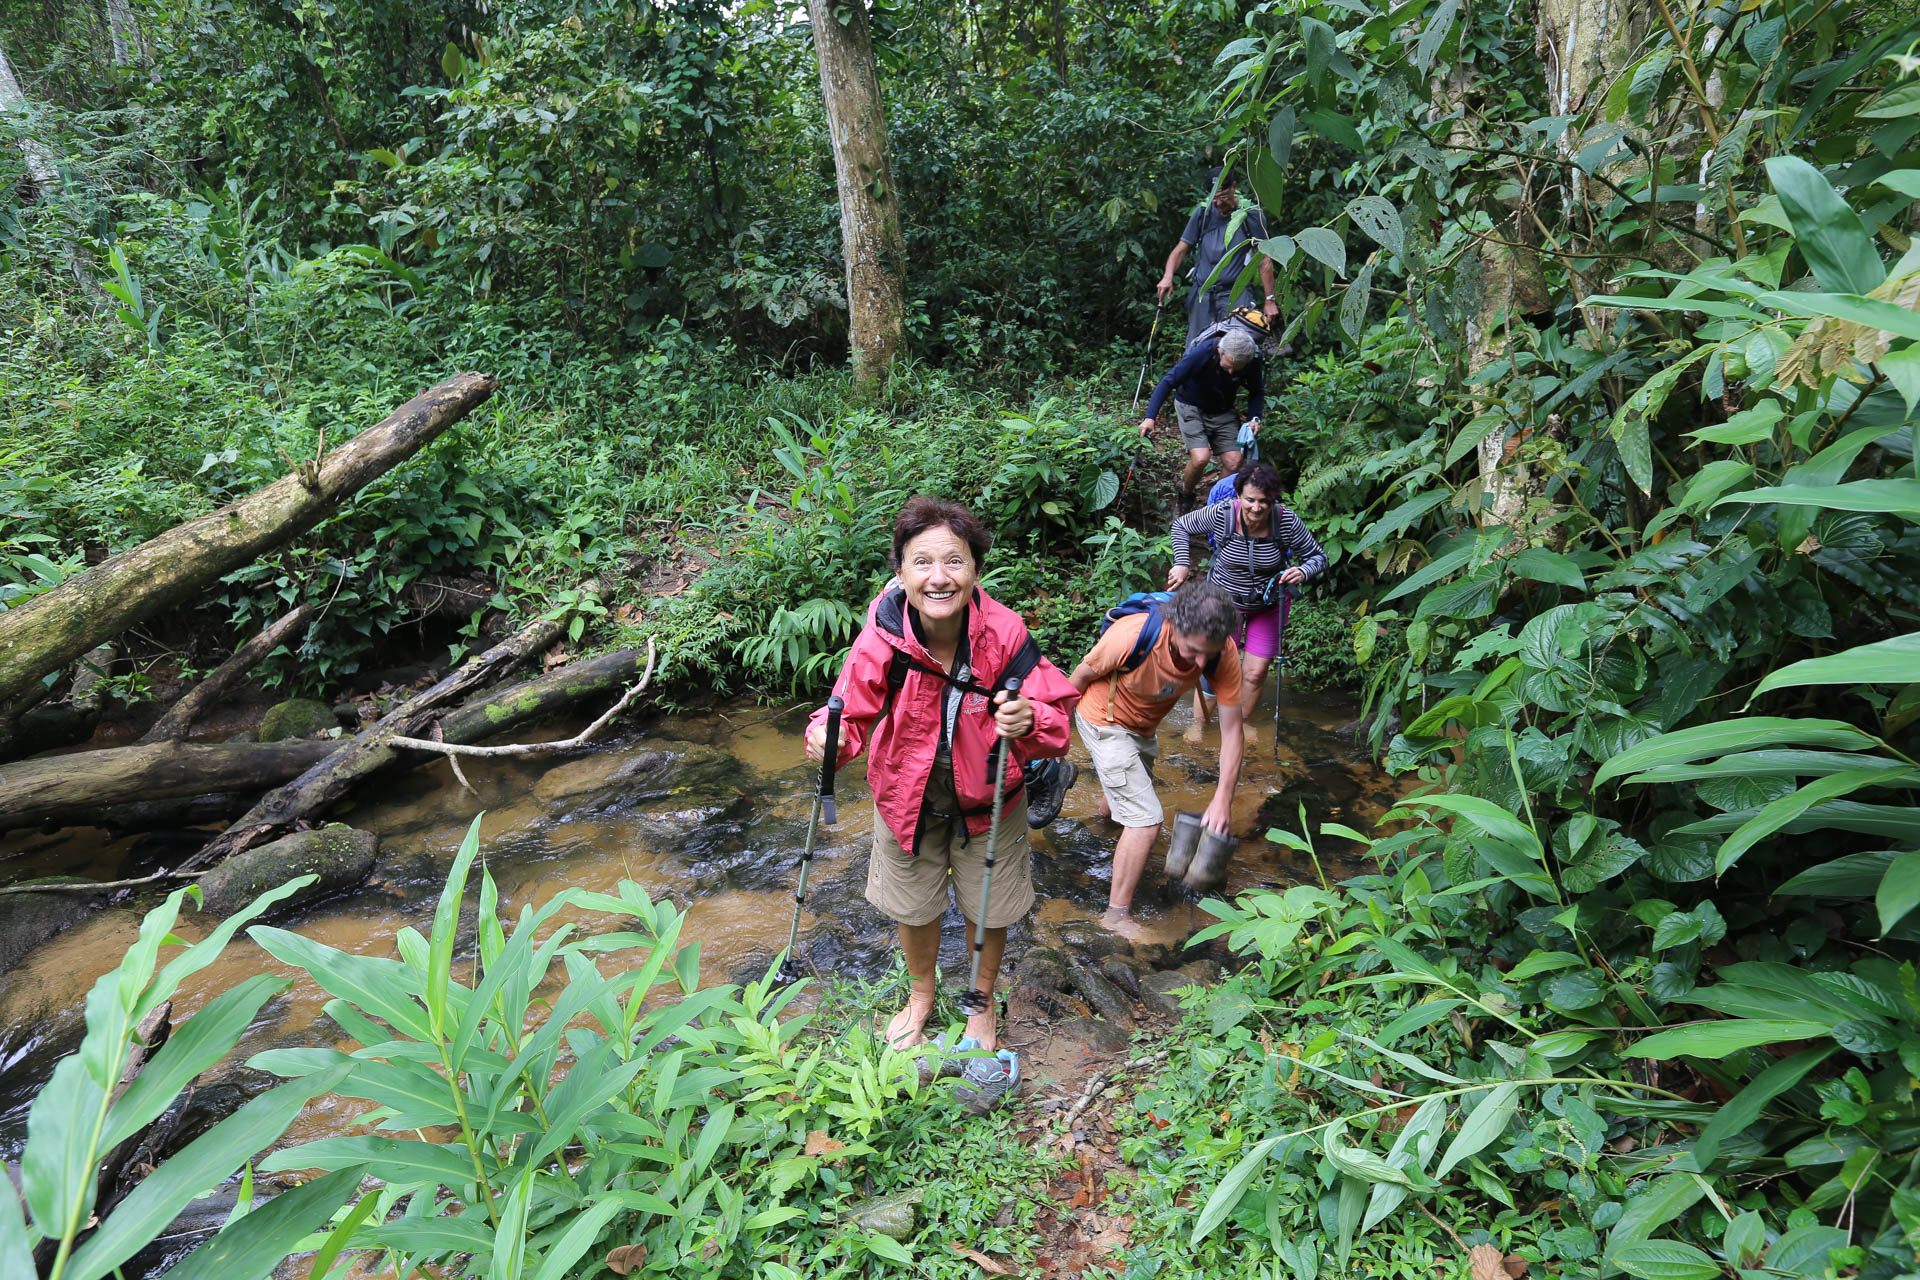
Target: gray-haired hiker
pixel 1205 386
pixel 1206 231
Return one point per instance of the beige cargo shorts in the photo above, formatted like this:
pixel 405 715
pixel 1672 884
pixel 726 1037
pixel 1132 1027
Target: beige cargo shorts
pixel 912 889
pixel 1123 761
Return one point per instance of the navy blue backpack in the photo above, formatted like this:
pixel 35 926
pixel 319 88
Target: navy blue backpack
pixel 1149 603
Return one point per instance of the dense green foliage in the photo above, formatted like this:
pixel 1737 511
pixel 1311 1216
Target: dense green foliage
pixel 1603 404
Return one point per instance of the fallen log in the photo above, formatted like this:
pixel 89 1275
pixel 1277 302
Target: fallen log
pixel 75 788
pixel 173 726
pixel 53 629
pixel 505 710
pixel 328 780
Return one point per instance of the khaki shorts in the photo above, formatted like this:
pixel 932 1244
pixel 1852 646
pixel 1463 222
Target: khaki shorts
pixel 1219 432
pixel 1123 760
pixel 912 889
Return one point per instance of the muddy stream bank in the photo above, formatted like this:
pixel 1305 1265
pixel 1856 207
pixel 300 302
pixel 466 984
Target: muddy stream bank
pixel 708 811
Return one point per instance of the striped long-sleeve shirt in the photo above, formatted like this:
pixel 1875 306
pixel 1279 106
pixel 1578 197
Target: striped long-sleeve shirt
pixel 1241 564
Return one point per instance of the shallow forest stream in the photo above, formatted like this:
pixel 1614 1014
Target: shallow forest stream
pixel 709 811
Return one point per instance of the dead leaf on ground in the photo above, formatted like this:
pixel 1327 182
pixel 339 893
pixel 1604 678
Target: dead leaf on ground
pixel 819 1144
pixel 1516 1266
pixel 628 1257
pixel 986 1262
pixel 556 657
pixel 1487 1262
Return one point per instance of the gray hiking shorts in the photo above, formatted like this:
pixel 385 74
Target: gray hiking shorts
pixel 1219 432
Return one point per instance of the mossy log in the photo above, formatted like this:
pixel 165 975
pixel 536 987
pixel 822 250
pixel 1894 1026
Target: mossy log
pixel 76 788
pixel 328 781
pixel 507 709
pixel 339 856
pixel 53 629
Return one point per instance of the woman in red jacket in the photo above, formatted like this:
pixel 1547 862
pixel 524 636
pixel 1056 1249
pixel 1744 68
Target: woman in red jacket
pixel 924 700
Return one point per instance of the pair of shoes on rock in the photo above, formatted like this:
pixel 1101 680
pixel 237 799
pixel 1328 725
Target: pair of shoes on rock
pixel 1048 782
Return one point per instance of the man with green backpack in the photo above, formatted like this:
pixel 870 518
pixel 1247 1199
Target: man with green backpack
pixel 1153 649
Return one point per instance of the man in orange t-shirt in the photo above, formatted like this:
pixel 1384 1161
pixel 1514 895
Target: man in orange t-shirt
pixel 1120 712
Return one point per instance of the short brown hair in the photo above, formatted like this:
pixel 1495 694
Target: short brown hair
pixel 923 513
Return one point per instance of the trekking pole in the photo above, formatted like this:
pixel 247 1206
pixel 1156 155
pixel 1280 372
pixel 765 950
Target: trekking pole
pixel 973 999
pixel 1147 359
pixel 823 807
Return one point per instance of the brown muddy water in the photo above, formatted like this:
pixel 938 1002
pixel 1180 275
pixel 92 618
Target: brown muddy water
pixel 708 811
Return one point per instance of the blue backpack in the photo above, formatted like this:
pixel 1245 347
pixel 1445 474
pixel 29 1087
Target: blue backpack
pixel 1149 603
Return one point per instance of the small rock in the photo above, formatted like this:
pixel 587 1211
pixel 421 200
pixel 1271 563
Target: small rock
pixel 339 855
pixel 1157 991
pixel 1043 967
pixel 29 919
pixel 1202 972
pixel 296 718
pixel 1096 1034
pixel 1122 975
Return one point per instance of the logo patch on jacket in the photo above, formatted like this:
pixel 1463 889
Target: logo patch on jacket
pixel 974 704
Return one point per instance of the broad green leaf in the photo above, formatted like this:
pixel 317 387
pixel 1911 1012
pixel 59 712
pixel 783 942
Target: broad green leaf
pixel 1487 816
pixel 1717 1039
pixel 16 1250
pixel 1828 233
pixel 1804 1251
pixel 1685 745
pixel 1377 216
pixel 1413 1146
pixel 1665 1260
pixel 1745 1107
pixel 1772 817
pixel 1329 248
pixel 1280 131
pixel 1650 1206
pixel 253 1247
pixel 378 986
pixel 196 1169
pixel 194 1046
pixel 1482 1127
pixel 468 1233
pixel 400 1160
pixel 1231 1188
pixel 1542 565
pixel 446 923
pixel 1871 312
pixel 1749 426
pixel 1902 368
pixel 1434 36
pixel 1855 876
pixel 581 1232
pixel 1895 661
pixel 1899 893
pixel 889 1248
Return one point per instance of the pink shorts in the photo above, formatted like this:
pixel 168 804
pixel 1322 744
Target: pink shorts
pixel 1260 632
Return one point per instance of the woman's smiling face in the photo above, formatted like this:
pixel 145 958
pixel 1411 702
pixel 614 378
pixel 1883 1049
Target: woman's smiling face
pixel 938 573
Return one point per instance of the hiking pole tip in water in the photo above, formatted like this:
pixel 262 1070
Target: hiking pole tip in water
pixel 973 1000
pixel 823 808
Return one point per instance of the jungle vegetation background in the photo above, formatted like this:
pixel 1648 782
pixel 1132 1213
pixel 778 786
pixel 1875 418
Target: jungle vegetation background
pixel 1603 401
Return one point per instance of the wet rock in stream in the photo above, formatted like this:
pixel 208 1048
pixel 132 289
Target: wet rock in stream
pixel 339 856
pixel 29 919
pixel 605 780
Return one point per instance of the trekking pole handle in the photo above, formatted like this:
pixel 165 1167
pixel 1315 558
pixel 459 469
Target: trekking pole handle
pixel 830 760
pixel 1010 685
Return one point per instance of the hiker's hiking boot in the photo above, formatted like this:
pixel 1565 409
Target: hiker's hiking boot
pixel 1047 784
pixel 988 1082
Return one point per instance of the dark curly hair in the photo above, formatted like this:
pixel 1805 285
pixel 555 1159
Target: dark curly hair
pixel 923 513
pixel 1260 476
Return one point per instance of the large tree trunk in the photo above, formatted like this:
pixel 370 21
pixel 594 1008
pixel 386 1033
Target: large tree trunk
pixel 75 788
pixel 124 30
pixel 42 170
pixel 870 237
pixel 51 630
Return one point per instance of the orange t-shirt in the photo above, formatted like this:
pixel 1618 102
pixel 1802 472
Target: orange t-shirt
pixel 1145 694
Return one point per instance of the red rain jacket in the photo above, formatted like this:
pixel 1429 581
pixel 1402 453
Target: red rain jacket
pixel 903 744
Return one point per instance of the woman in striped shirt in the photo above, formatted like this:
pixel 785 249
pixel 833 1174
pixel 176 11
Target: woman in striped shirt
pixel 1253 539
